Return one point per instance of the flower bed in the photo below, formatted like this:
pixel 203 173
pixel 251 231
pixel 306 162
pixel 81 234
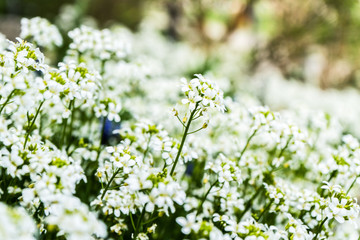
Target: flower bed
pixel 106 144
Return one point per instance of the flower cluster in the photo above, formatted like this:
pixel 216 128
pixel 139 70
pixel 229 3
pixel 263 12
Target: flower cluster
pixel 22 56
pixel 202 92
pixel 41 31
pixel 16 223
pixel 100 44
pixel 339 205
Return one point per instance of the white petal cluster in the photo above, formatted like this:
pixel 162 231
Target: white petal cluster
pixel 274 193
pixel 165 195
pixel 297 230
pixel 41 31
pixel 101 44
pixel 135 177
pixel 202 92
pixel 250 229
pixel 226 170
pixel 188 224
pixel 108 108
pixel 16 224
pixel 74 220
pixel 23 56
pixel 145 135
pixel 340 206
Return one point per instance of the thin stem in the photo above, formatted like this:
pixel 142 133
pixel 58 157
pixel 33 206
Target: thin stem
pixel 63 133
pixel 132 221
pixel 247 144
pixel 352 184
pixel 7 100
pixel 205 196
pixel 37 210
pixel 165 165
pixel 183 140
pixel 147 148
pixel 109 183
pixel 180 120
pixel 32 124
pixel 140 219
pixel 198 116
pixel 320 227
pixel 332 175
pixel 265 210
pixel 195 131
pixel 248 204
pixel 71 125
pixel 151 220
pixel 283 149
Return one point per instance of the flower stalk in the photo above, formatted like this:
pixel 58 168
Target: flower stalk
pixel 183 139
pixel 32 124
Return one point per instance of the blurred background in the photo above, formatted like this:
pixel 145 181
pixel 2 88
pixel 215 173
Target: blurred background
pixel 313 41
pixel 285 52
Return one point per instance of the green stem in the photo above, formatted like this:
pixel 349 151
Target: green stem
pixel 320 227
pixel 332 175
pixel 71 125
pixel 180 121
pixel 109 183
pixel 183 140
pixel 140 219
pixel 63 133
pixel 36 213
pixel 7 100
pixel 205 196
pixel 195 131
pixel 302 214
pixel 32 124
pixel 132 221
pixel 247 144
pixel 249 203
pixel 352 184
pixel 265 210
pixel 147 148
pixel 151 220
pixel 283 149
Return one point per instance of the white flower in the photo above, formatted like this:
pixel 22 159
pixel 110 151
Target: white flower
pixel 113 112
pixel 164 195
pixel 189 223
pixel 142 236
pixel 220 218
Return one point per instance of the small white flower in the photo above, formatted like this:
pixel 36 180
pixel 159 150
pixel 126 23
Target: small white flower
pixel 188 224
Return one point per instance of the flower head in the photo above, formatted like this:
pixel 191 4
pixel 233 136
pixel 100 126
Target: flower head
pixel 202 92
